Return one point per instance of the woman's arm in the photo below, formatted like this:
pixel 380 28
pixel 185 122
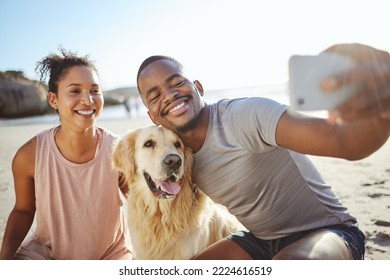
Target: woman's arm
pixel 22 215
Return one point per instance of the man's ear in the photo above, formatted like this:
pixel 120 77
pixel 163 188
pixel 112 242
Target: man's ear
pixel 153 119
pixel 52 99
pixel 199 86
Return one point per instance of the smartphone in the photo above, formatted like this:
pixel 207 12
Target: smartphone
pixel 305 76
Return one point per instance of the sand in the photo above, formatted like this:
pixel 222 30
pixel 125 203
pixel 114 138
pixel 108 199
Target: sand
pixel 363 186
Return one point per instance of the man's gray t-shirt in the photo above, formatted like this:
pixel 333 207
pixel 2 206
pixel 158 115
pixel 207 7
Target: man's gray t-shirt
pixel 273 191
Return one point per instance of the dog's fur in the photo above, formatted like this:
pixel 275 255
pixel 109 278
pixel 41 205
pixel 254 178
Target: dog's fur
pixel 166 222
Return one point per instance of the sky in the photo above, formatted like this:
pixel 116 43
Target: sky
pixel 222 43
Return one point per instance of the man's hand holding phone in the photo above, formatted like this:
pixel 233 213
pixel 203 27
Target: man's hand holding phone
pixel 306 76
pixel 352 81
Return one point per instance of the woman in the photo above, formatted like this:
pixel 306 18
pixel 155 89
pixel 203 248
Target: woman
pixel 63 175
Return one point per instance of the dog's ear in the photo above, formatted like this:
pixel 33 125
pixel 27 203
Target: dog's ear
pixel 188 163
pixel 123 154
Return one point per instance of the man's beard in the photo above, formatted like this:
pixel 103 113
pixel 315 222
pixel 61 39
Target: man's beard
pixel 191 124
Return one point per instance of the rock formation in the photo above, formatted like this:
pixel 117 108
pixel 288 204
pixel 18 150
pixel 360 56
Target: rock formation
pixel 21 97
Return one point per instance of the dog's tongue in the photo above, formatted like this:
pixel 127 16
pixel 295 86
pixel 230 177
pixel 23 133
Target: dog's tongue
pixel 168 186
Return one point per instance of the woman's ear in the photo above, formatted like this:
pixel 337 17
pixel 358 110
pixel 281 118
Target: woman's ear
pixel 52 99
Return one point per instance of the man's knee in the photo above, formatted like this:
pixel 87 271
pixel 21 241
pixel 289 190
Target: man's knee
pixel 224 249
pixel 319 245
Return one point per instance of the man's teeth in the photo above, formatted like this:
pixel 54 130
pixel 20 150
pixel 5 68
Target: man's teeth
pixel 85 113
pixel 176 107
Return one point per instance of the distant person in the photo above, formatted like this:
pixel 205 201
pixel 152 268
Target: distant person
pixel 250 156
pixel 63 175
pixel 127 105
pixel 136 102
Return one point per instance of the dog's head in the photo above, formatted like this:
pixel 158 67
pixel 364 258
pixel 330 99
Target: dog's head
pixel 156 155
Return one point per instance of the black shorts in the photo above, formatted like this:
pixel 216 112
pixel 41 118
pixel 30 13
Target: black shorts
pixel 260 249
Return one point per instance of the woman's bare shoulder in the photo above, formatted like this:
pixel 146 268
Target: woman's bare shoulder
pixel 24 158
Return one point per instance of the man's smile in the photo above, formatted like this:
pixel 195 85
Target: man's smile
pixel 176 107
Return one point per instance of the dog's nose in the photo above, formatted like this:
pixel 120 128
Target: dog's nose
pixel 172 161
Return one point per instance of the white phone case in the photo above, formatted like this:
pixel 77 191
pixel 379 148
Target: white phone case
pixel 305 76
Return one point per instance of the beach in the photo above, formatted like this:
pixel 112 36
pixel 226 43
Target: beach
pixel 363 186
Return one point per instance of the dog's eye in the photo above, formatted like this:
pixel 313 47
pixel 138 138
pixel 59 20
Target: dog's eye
pixel 178 144
pixel 149 144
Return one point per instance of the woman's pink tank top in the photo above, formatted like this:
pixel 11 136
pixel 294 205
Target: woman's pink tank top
pixel 78 206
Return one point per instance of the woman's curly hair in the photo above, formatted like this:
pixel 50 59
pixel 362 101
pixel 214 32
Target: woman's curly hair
pixel 57 65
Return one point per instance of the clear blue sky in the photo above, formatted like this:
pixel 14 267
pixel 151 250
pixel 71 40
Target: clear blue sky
pixel 224 43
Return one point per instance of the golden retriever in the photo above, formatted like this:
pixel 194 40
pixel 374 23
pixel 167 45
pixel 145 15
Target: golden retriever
pixel 168 216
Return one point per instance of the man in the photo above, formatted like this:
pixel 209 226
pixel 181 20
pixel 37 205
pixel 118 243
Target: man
pixel 250 156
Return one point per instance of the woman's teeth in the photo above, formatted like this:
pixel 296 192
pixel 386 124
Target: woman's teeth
pixel 85 113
